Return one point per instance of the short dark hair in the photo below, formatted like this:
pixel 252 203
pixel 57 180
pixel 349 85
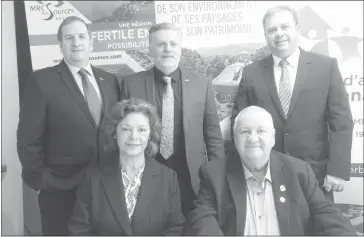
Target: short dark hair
pixel 280 8
pixel 133 105
pixel 68 21
pixel 163 26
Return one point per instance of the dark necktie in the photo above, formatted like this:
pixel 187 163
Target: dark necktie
pixel 285 93
pixel 166 146
pixel 91 96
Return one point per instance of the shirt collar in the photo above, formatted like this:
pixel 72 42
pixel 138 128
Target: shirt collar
pixel 248 174
pixel 139 170
pixel 75 70
pixel 292 60
pixel 174 75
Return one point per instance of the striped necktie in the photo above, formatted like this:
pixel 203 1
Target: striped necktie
pixel 91 96
pixel 285 92
pixel 166 146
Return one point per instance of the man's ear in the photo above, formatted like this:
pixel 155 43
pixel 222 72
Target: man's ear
pixel 91 45
pixel 274 136
pixel 150 50
pixel 60 45
pixel 298 28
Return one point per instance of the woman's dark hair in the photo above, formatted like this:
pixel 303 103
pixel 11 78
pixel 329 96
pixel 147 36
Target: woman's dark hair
pixel 132 105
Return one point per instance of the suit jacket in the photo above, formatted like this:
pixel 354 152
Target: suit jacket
pixel 201 127
pixel 221 204
pixel 100 207
pixel 57 135
pixel 319 124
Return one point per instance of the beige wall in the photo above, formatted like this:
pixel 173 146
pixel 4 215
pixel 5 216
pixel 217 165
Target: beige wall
pixel 12 194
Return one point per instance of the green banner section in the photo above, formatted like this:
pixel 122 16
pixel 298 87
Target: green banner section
pixel 120 35
pixel 356 170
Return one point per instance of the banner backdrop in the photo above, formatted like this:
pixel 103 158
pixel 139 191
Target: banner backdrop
pixel 220 39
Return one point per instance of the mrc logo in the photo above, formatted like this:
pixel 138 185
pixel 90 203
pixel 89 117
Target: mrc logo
pixel 51 9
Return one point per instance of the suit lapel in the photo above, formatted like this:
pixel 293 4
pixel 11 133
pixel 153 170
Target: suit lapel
pixel 113 186
pixel 188 85
pixel 281 177
pixel 104 91
pixel 147 189
pixel 75 91
pixel 103 85
pixel 271 84
pixel 301 77
pixel 237 185
pixel 150 86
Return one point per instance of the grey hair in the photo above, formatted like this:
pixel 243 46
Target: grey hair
pixel 163 26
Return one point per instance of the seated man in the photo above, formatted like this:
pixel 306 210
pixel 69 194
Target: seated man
pixel 257 191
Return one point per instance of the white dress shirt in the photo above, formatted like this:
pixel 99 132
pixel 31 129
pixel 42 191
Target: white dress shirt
pixel 292 68
pixel 261 214
pixel 74 70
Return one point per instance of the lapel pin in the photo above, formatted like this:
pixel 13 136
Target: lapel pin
pixel 187 80
pixel 283 188
pixel 282 199
pixel 101 78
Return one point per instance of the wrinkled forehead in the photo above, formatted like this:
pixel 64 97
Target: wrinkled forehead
pixel 166 35
pixel 280 16
pixel 75 27
pixel 254 119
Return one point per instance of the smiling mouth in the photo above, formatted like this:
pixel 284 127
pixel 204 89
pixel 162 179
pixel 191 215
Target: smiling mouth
pixel 281 42
pixel 133 144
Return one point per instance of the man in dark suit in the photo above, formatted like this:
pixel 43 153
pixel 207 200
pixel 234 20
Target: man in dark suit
pixel 257 191
pixel 305 94
pixel 61 123
pixel 185 103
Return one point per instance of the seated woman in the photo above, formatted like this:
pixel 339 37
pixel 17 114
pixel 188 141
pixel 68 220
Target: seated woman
pixel 129 193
